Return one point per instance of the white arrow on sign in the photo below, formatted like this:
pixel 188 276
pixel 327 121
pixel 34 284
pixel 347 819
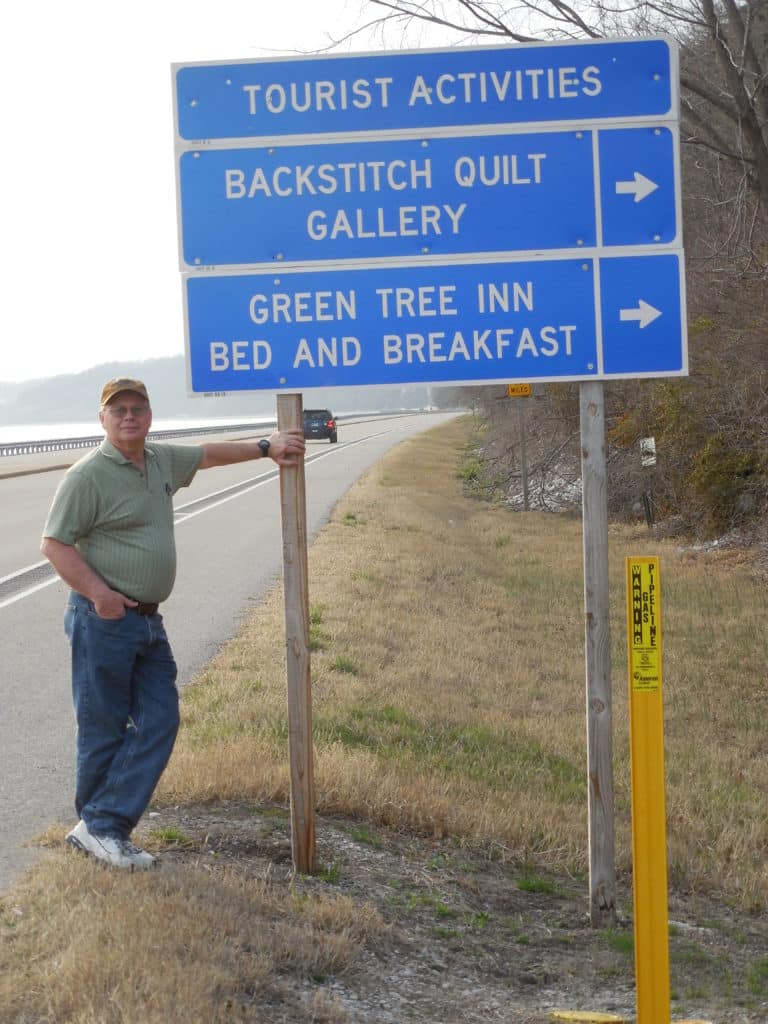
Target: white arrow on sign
pixel 644 313
pixel 640 186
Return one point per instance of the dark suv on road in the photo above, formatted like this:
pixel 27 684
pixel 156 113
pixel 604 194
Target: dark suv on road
pixel 320 424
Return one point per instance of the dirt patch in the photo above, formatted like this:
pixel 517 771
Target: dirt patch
pixel 474 936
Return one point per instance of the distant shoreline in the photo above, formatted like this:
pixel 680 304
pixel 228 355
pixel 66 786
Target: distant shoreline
pixel 28 432
pixel 44 462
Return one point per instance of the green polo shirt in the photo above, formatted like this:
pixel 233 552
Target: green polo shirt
pixel 121 521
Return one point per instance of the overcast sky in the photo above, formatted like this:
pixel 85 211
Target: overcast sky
pixel 87 204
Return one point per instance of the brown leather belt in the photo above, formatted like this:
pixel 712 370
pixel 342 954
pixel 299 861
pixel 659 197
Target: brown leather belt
pixel 144 608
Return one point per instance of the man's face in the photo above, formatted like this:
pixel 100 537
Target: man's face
pixel 126 419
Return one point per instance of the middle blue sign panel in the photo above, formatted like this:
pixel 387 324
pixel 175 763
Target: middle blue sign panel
pixel 394 198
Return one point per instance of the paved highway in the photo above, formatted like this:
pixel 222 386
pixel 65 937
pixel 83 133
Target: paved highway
pixel 230 551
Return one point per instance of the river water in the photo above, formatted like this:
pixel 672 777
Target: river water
pixel 55 431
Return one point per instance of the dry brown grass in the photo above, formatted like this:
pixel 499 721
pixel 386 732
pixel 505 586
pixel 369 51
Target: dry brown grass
pixel 448 682
pixel 88 946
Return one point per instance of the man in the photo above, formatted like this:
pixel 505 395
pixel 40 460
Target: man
pixel 109 535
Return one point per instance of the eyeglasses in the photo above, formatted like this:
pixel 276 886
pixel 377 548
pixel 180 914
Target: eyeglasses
pixel 121 411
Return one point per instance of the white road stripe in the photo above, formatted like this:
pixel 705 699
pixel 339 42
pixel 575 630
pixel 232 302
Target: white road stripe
pixel 182 517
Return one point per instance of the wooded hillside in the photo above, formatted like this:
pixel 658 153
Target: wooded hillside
pixel 710 430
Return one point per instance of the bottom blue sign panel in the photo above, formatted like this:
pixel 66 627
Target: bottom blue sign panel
pixel 471 323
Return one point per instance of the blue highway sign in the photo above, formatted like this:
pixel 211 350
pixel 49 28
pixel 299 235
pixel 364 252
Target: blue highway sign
pixel 395 91
pixel 643 315
pixel 639 187
pixel 453 323
pixel 439 196
pixel 325 204
pixel 394 198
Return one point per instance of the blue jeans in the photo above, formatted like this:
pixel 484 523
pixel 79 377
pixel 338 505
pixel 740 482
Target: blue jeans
pixel 127 711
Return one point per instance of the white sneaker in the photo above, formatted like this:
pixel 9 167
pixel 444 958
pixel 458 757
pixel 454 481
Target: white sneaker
pixel 118 853
pixel 140 858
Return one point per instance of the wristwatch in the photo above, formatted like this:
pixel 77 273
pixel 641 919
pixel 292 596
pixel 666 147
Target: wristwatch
pixel 264 445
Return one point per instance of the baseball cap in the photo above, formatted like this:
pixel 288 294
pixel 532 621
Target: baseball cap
pixel 118 384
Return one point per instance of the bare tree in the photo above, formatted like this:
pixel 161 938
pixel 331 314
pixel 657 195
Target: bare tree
pixel 711 427
pixel 723 46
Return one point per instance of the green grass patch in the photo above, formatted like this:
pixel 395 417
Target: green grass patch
pixel 499 759
pixel 619 941
pixel 470 469
pixel 366 837
pixel 756 977
pixel 429 901
pixel 535 883
pixel 345 665
pixel 318 640
pixel 171 836
pixel 361 576
pixel 272 812
pixel 330 873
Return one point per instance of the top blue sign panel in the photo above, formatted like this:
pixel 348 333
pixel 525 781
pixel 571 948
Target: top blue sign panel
pixel 427 89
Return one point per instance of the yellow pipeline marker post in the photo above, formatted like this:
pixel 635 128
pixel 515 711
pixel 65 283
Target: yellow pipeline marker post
pixel 649 827
pixel 649 831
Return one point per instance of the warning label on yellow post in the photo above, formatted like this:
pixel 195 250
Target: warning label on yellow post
pixel 644 623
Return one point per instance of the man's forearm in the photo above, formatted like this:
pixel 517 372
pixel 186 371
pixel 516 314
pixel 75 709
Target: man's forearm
pixel 286 447
pixel 224 453
pixel 73 569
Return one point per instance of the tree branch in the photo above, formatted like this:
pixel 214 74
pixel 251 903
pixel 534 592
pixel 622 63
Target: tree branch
pixel 408 10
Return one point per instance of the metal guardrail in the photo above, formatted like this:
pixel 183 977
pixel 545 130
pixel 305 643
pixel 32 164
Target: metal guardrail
pixel 63 444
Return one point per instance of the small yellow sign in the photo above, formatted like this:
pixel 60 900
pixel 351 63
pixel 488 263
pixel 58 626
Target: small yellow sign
pixel 518 390
pixel 644 623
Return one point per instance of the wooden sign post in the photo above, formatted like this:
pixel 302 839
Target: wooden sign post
pixel 293 503
pixel 602 870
